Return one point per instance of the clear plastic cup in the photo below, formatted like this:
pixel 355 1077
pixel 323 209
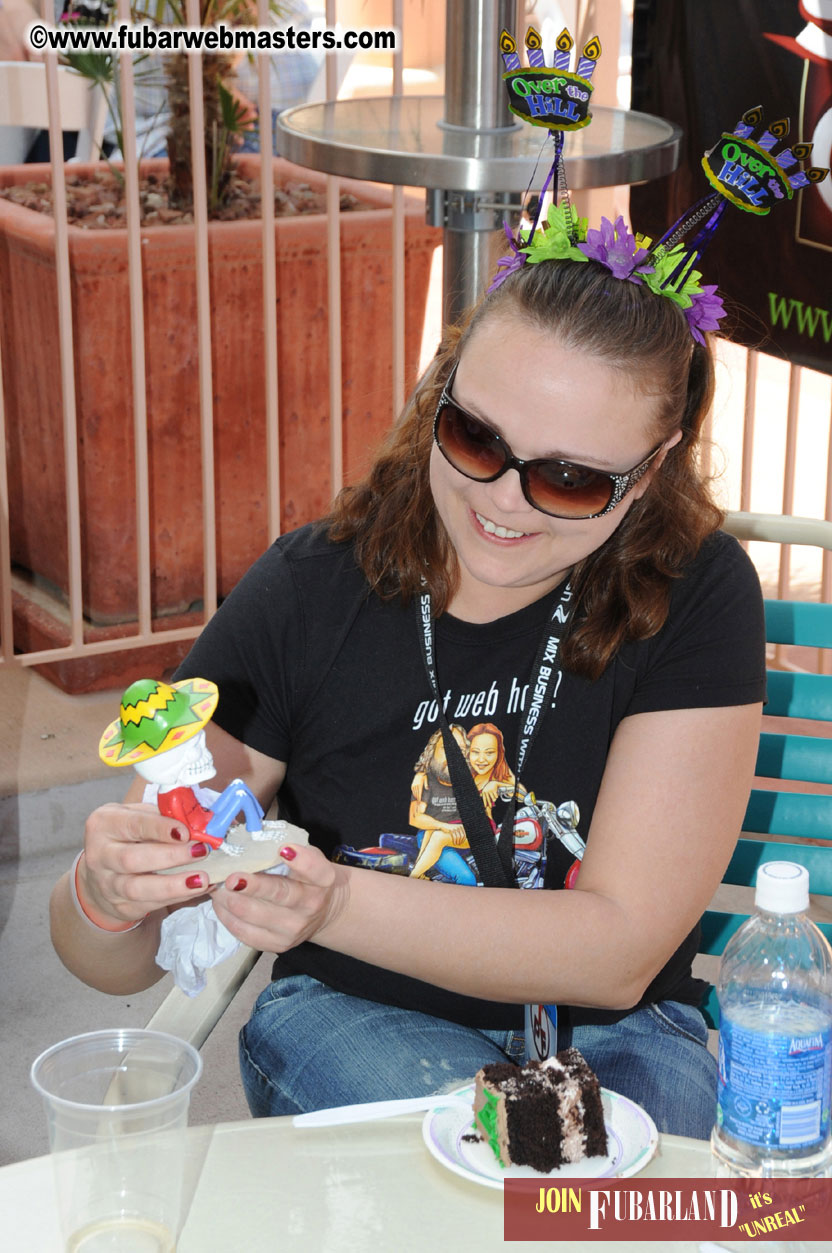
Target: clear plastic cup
pixel 117 1107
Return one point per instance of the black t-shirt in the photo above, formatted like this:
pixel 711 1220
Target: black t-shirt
pixel 315 670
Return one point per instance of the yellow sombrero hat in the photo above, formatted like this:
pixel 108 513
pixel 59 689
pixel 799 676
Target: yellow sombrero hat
pixel 156 716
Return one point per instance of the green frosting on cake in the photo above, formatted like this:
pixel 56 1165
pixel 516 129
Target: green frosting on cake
pixel 487 1117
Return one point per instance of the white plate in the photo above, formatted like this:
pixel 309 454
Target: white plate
pixel 631 1135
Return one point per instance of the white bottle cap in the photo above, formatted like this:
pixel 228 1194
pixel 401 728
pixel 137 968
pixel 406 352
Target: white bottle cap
pixel 782 887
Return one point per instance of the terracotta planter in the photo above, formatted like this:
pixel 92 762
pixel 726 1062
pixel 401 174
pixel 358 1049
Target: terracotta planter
pixel 98 261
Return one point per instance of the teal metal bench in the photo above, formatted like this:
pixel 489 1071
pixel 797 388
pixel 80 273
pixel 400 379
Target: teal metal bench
pixel 802 821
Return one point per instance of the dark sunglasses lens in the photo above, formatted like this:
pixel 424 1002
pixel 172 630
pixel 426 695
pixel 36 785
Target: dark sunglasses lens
pixel 469 445
pixel 558 488
pixel 568 491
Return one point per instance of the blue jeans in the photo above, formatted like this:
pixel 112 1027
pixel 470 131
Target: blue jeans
pixel 308 1047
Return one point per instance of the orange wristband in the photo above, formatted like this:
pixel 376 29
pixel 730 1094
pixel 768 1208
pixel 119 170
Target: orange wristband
pixel 84 910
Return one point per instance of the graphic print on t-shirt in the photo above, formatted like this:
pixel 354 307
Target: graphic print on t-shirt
pixel 439 847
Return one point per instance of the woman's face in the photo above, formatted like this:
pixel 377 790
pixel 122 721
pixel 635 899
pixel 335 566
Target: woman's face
pixel 546 401
pixel 484 753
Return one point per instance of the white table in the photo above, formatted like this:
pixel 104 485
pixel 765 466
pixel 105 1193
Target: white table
pixel 265 1186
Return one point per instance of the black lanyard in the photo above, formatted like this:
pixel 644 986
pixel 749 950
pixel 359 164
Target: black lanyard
pixel 494 857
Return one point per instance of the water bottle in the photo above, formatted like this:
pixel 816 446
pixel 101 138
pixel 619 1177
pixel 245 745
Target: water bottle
pixel 775 1037
pixel 541 1032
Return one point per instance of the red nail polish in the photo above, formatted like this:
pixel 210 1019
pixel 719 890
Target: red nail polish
pixel 288 853
pixel 238 887
pixel 199 850
pixel 176 835
pixel 193 881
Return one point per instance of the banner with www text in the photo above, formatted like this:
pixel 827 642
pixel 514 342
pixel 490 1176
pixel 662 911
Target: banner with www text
pixel 702 66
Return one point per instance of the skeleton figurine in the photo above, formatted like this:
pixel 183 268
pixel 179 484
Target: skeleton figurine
pixel 160 731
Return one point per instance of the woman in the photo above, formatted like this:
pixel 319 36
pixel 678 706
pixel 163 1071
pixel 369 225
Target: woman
pixel 489 767
pixel 394 986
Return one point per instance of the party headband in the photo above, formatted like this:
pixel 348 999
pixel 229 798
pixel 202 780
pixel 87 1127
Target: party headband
pixel 742 170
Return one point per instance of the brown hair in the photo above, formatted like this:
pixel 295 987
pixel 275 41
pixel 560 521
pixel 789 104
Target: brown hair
pixel 426 755
pixel 622 590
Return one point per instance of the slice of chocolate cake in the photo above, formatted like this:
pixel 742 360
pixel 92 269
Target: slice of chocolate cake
pixel 542 1114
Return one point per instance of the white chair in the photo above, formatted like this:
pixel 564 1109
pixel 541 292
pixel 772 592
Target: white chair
pixel 193 1018
pixel 778 528
pixel 343 60
pixel 23 103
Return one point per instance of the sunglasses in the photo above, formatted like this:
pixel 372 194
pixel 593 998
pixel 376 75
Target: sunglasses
pixel 562 489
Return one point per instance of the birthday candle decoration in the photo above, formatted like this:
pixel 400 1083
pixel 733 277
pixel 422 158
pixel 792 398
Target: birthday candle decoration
pixel 746 124
pixel 778 130
pixel 556 99
pixel 534 49
pixel 587 59
pixel 815 175
pixel 797 152
pixel 785 159
pixel 563 50
pixel 508 48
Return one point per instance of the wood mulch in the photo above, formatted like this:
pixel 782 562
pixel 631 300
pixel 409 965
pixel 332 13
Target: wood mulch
pixel 98 202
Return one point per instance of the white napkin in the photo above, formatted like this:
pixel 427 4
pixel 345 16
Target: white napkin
pixel 193 939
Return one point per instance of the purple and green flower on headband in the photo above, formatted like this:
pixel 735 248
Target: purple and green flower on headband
pixel 512 261
pixel 565 237
pixel 561 238
pixel 614 246
pixel 702 307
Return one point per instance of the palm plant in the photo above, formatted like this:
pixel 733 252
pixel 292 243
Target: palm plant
pixel 223 113
pixel 225 116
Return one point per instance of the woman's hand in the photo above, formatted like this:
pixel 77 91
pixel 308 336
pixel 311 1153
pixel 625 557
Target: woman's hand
pixel 123 846
pixel 490 793
pixel 275 912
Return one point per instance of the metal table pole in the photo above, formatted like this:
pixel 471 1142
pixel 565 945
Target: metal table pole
pixel 476 104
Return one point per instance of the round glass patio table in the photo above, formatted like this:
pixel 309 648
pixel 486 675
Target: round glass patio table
pixel 403 140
